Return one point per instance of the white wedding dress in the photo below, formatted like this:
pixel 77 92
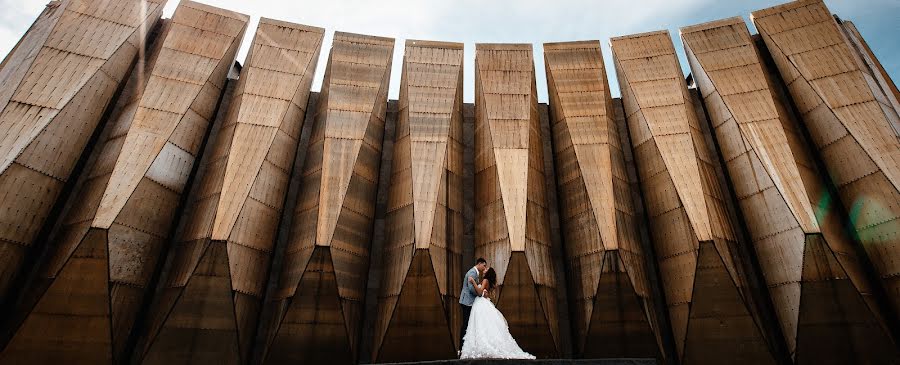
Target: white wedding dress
pixel 487 335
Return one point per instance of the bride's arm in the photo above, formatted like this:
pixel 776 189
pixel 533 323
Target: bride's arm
pixel 479 289
pixel 483 288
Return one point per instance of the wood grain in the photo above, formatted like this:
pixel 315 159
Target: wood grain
pixel 418 302
pixel 512 227
pixel 131 194
pixel 692 231
pixel 233 218
pixel 57 85
pixel 853 125
pixel 779 192
pixel 613 307
pixel 335 209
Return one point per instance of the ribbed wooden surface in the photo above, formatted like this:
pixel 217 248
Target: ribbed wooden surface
pixel 424 223
pixel 691 228
pixel 239 204
pixel 770 181
pixel 602 248
pixel 129 201
pixel 335 209
pixel 850 119
pixel 57 84
pixel 510 202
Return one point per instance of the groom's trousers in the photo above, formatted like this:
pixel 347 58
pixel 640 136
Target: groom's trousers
pixel 466 311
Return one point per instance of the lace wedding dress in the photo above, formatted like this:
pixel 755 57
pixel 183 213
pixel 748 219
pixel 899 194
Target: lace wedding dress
pixel 487 335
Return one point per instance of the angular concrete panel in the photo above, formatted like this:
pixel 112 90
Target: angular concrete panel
pixel 319 298
pixel 693 236
pixel 116 232
pixel 213 293
pixel 511 216
pixel 57 84
pixel 804 256
pixel 852 122
pixel 612 312
pixel 417 305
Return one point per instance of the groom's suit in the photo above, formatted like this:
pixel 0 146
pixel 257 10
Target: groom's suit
pixel 466 299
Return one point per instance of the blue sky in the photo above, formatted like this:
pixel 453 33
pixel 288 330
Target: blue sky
pixel 518 21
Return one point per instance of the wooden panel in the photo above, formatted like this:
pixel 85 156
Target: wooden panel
pixel 511 216
pixel 422 250
pixel 683 196
pixel 239 205
pixel 874 68
pixel 142 188
pixel 772 191
pixel 57 84
pixel 335 209
pixel 849 121
pixel 597 212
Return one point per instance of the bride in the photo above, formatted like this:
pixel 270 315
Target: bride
pixel 487 336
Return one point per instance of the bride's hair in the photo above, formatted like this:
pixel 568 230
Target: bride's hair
pixel 491 277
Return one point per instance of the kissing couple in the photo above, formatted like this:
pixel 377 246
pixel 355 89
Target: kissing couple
pixel 485 332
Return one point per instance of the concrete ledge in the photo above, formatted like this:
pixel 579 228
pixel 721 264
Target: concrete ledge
pixel 538 362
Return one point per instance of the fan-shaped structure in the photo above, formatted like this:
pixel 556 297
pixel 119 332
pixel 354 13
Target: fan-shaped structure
pixel 854 126
pixel 57 85
pixel 325 269
pixel 213 294
pixel 814 276
pixel 702 276
pixel 91 288
pixel 418 304
pixel 512 227
pixel 613 311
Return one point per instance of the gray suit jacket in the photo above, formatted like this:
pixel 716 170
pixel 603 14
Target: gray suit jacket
pixel 468 295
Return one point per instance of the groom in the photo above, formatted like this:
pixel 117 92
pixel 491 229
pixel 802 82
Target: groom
pixel 468 295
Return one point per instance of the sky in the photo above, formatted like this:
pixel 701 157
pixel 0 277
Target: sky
pixel 507 21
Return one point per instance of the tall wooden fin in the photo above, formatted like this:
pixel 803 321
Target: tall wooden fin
pixel 685 203
pixel 511 206
pixel 424 217
pixel 775 181
pixel 132 192
pixel 854 127
pixel 57 84
pixel 613 298
pixel 240 202
pixel 335 211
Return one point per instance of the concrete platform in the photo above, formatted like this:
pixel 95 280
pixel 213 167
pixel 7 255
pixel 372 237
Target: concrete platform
pixel 537 362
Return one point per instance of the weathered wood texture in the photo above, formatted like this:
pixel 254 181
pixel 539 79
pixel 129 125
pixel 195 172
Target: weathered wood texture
pixel 93 283
pixel 323 278
pixel 512 226
pixel 417 304
pixel 694 241
pixel 610 294
pixel 873 67
pixel 813 274
pixel 850 119
pixel 214 289
pixel 56 86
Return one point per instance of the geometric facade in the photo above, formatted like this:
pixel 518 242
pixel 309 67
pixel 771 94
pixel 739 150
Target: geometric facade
pixel 418 304
pixel 323 278
pixel 712 316
pixel 512 229
pixel 749 214
pixel 92 286
pixel 850 120
pixel 814 277
pixel 610 289
pixel 57 84
pixel 213 294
